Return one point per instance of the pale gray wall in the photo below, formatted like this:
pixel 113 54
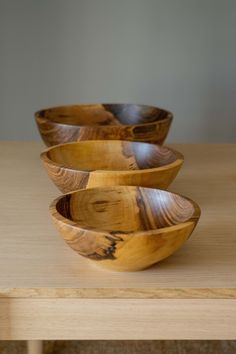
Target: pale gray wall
pixel 178 54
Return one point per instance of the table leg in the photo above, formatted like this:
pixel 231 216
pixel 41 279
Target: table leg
pixel 35 347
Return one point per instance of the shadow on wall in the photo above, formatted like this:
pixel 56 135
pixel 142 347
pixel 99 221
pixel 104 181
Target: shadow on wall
pixel 220 110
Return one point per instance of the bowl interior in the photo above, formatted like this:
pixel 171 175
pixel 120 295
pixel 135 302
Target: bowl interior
pixel 111 155
pixel 104 114
pixel 124 209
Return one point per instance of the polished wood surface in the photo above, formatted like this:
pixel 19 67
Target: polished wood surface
pixel 124 228
pixel 133 122
pixel 96 163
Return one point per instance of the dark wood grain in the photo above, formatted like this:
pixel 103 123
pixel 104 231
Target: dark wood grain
pixel 125 228
pixel 103 121
pixel 96 163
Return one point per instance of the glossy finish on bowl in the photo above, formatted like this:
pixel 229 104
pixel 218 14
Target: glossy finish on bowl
pixel 131 122
pixel 124 228
pixel 94 163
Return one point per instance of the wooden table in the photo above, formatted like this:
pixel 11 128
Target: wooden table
pixel 48 292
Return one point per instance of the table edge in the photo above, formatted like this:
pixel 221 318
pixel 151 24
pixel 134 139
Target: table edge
pixel 120 293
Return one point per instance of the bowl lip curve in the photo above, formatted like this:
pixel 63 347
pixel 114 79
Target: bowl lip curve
pixel 74 225
pixel 178 161
pixel 38 115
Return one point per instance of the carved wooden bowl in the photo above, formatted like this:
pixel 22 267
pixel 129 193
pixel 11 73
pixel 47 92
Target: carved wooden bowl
pixel 103 121
pixel 95 163
pixel 124 228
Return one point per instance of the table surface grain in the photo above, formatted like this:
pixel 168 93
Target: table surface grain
pixel 36 263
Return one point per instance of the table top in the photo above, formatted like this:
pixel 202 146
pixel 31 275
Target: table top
pixel 35 261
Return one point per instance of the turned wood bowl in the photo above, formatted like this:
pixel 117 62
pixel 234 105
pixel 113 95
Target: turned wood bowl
pixel 131 122
pixel 125 228
pixel 95 163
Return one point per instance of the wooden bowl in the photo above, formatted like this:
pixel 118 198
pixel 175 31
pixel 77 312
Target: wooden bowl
pixel 125 228
pixel 95 163
pixel 103 121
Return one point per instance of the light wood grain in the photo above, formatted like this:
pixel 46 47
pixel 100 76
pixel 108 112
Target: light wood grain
pixel 118 319
pixel 132 122
pixel 96 163
pixel 120 293
pixel 35 262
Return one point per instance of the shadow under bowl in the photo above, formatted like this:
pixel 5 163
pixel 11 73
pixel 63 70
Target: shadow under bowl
pixel 131 122
pixel 95 163
pixel 124 228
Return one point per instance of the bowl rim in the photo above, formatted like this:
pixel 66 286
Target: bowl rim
pixel 178 161
pixel 38 115
pixel 74 225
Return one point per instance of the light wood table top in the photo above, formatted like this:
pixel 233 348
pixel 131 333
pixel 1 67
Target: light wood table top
pixel 38 267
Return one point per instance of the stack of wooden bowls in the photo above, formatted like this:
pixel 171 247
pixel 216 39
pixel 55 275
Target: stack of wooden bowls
pixel 109 161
